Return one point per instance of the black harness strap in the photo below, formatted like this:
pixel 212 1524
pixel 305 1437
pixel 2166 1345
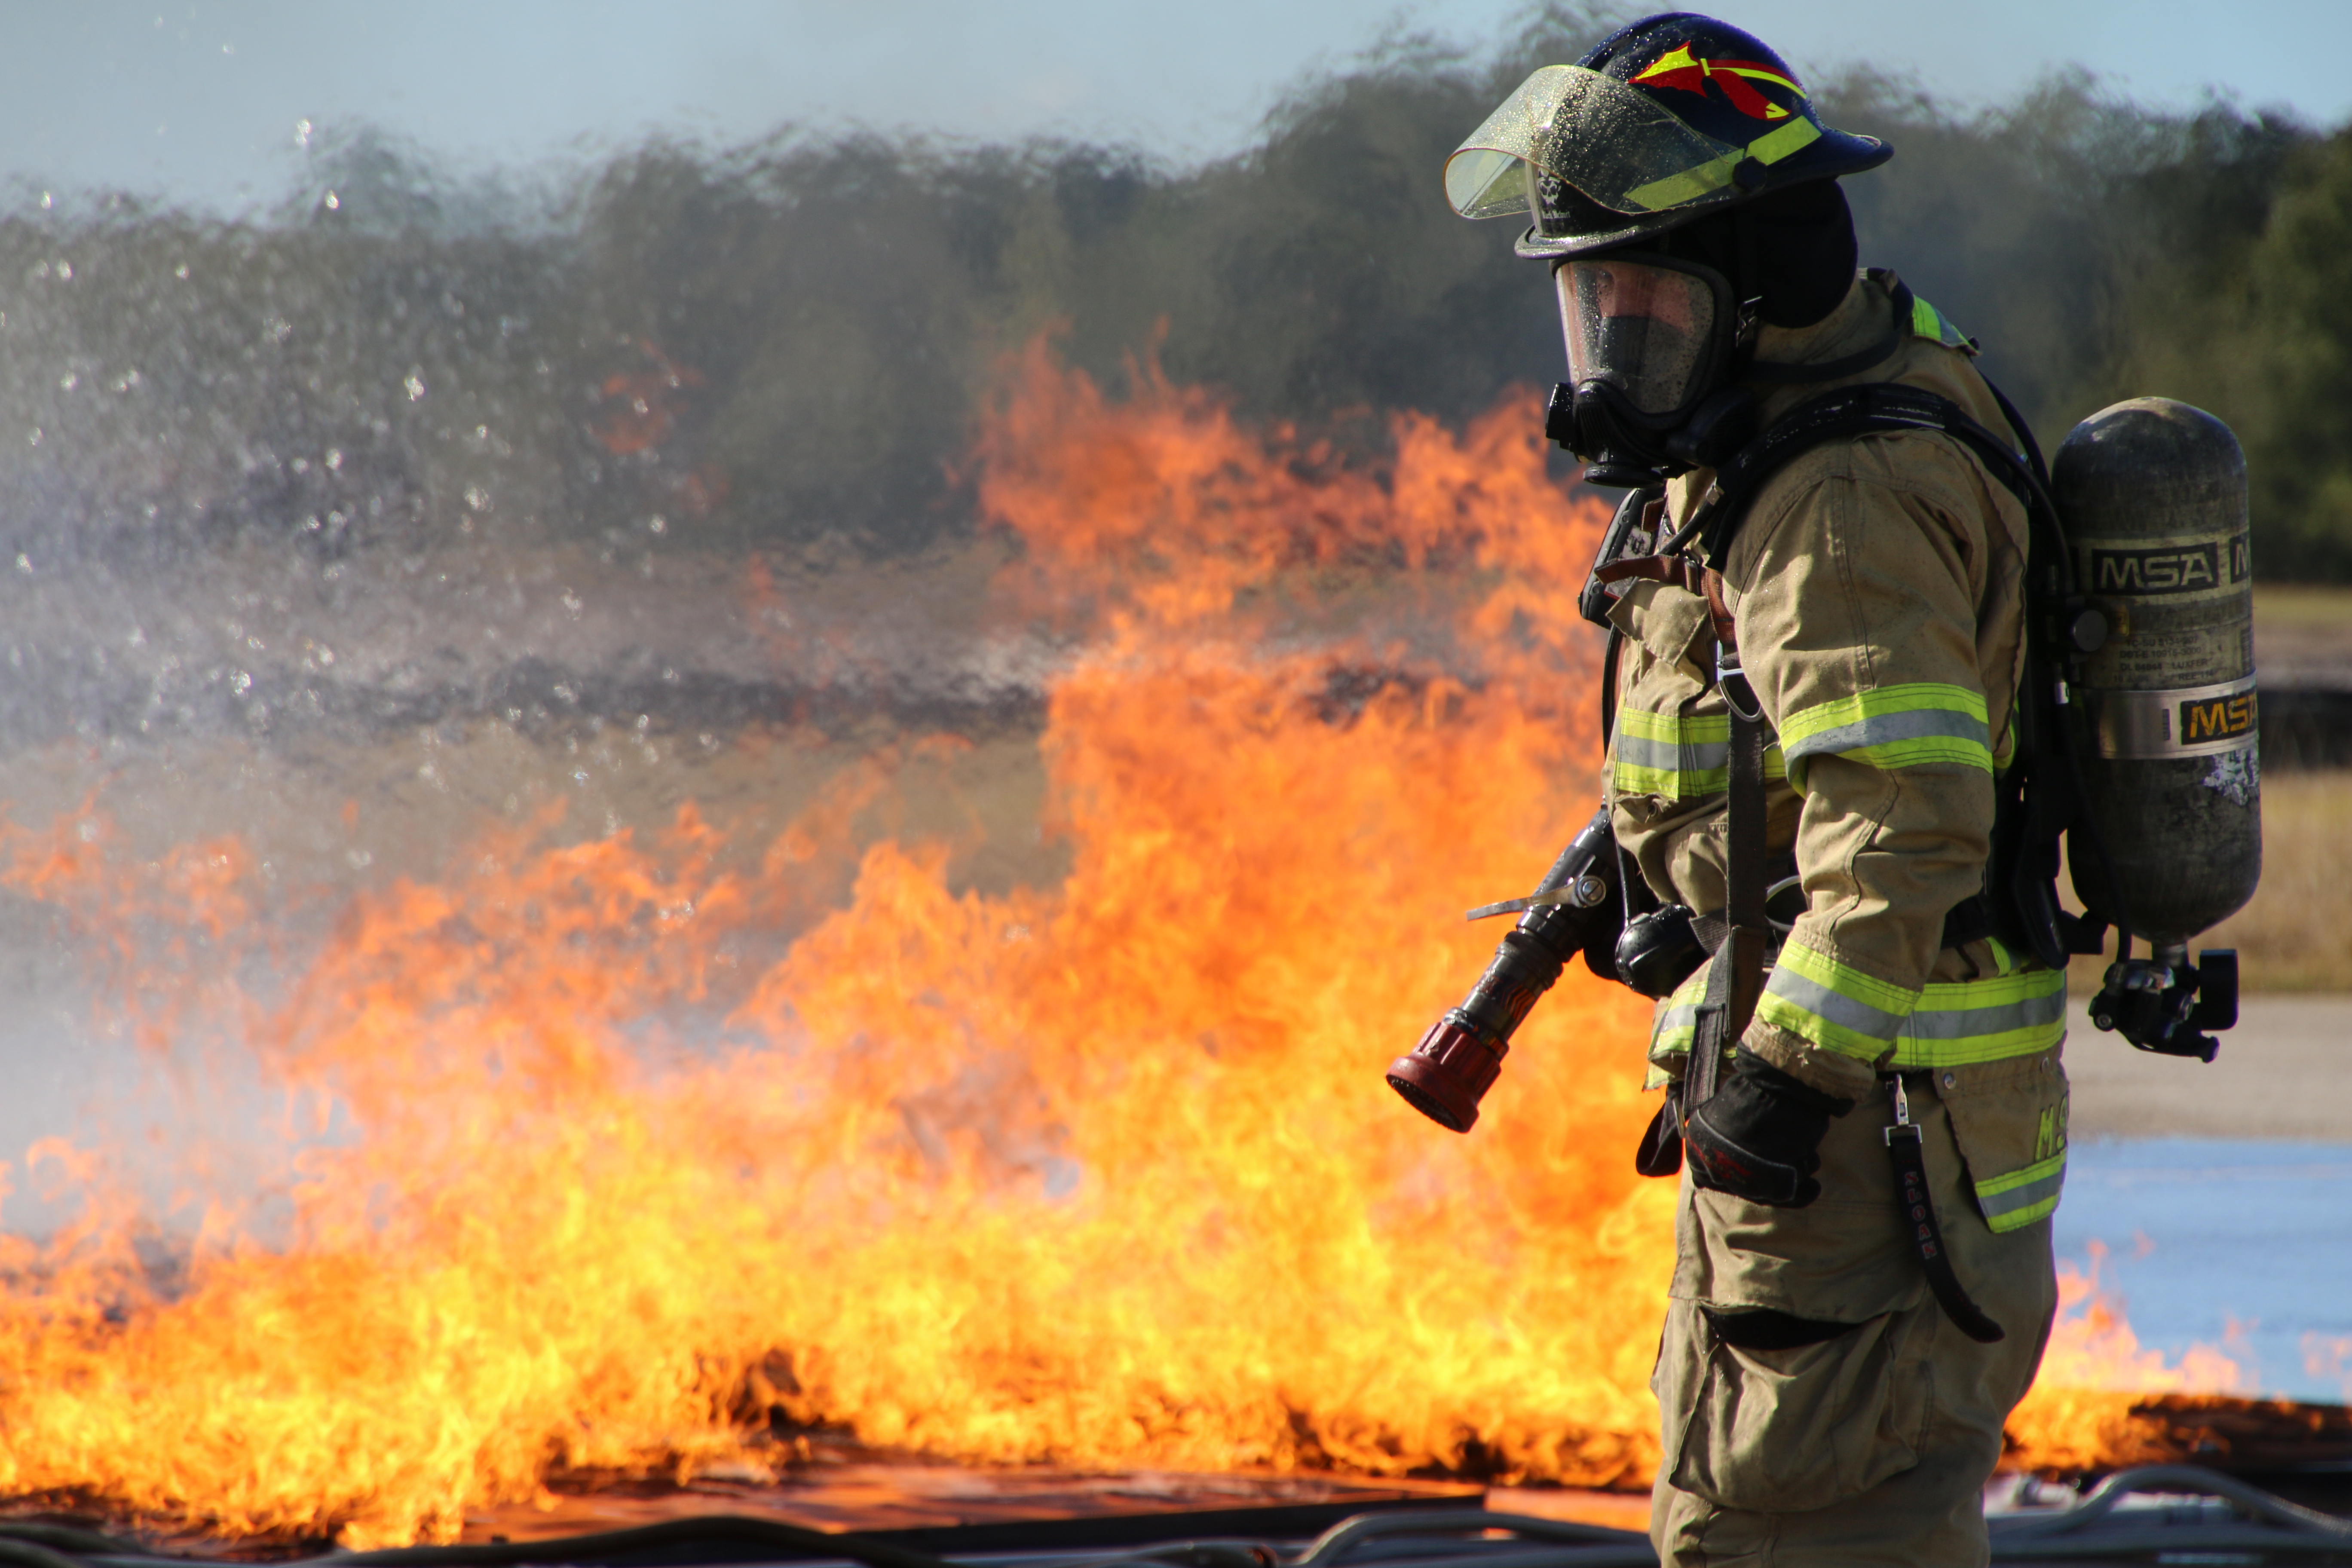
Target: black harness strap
pixel 1736 982
pixel 2043 797
pixel 1917 1208
pixel 1878 408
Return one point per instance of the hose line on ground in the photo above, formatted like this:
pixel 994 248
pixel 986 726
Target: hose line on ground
pixel 2095 1528
pixel 795 1539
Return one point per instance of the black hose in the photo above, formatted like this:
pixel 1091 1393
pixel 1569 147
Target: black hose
pixel 66 1538
pixel 1186 1554
pixel 796 1540
pixel 1335 1542
pixel 2089 1531
pixel 2102 1500
pixel 19 1553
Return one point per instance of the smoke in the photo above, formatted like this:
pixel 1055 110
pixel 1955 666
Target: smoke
pixel 583 448
pixel 781 344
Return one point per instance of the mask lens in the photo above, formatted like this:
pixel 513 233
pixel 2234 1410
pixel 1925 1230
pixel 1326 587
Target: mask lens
pixel 1643 329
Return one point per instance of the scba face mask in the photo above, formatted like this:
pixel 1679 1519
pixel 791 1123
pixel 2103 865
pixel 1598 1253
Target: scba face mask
pixel 1650 341
pixel 1642 327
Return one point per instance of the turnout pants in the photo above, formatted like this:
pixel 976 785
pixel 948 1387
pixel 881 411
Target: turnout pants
pixel 1873 1443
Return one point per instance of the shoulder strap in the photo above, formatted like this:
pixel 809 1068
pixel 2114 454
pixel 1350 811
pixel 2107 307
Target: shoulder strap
pixel 2043 797
pixel 1879 407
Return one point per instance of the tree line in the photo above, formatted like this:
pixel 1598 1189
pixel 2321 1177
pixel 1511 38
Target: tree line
pixel 785 345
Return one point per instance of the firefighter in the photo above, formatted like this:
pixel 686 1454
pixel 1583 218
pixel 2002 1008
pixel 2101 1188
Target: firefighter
pixel 1830 1391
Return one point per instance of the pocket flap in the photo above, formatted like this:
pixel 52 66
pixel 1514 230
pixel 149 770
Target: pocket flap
pixel 2009 1120
pixel 1662 617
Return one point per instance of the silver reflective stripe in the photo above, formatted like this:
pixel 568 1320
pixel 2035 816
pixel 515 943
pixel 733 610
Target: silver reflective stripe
pixel 1679 1022
pixel 2043 1191
pixel 1970 1023
pixel 1678 1028
pixel 1834 1007
pixel 1667 756
pixel 1878 728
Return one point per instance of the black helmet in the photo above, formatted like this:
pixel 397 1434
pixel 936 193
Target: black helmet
pixel 1665 121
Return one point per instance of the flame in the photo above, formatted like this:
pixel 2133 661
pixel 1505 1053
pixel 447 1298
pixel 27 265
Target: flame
pixel 644 403
pixel 621 1144
pixel 2088 1407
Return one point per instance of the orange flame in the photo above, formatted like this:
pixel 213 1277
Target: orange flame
pixel 2082 1412
pixel 1101 1174
pixel 644 403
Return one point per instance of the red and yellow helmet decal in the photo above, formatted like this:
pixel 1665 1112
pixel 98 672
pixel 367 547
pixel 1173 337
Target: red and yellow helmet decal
pixel 1689 73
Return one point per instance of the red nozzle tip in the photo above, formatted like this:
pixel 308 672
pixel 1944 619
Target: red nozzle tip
pixel 1447 1074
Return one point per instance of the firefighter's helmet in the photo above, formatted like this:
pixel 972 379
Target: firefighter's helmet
pixel 1665 121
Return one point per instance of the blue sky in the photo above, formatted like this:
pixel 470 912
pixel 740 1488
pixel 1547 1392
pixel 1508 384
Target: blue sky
pixel 200 103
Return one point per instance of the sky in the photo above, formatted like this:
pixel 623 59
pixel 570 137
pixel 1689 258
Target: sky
pixel 205 104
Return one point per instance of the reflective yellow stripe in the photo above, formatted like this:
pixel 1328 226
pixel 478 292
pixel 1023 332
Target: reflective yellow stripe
pixel 1677 1023
pixel 2013 1201
pixel 1946 1023
pixel 1959 1023
pixel 1926 321
pixel 1902 726
pixel 1711 176
pixel 1682 756
pixel 1828 1005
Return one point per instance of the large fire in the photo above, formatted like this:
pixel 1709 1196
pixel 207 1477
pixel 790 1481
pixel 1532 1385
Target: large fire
pixel 1101 1172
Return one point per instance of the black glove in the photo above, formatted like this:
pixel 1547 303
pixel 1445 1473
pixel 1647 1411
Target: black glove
pixel 1759 1137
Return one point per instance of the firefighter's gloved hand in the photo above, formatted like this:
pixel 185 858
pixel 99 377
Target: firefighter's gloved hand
pixel 1759 1137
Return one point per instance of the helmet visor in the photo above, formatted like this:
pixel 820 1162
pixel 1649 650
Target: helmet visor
pixel 1645 330
pixel 1611 142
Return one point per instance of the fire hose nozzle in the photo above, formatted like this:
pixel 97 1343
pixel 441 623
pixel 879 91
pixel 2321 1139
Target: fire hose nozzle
pixel 1447 1074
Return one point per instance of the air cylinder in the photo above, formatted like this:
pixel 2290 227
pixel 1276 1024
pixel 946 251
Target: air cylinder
pixel 2153 495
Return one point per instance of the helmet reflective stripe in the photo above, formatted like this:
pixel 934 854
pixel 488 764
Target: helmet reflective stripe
pixel 1705 179
pixel 1682 756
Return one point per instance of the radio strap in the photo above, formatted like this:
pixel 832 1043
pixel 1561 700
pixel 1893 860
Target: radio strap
pixel 1909 1157
pixel 1736 982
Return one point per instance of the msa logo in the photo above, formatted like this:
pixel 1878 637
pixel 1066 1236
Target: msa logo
pixel 2217 718
pixel 2170 568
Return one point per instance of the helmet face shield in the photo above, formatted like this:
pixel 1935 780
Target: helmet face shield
pixel 1665 121
pixel 1615 145
pixel 1653 328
